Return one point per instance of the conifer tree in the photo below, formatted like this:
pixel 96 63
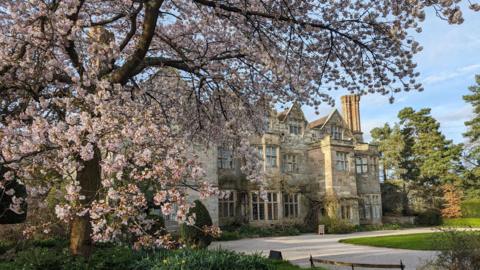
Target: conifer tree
pixel 471 157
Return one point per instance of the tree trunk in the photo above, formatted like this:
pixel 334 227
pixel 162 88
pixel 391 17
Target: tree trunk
pixel 81 229
pixel 384 173
pixel 406 207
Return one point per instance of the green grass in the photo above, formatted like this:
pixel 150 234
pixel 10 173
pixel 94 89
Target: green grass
pixel 417 241
pixel 462 222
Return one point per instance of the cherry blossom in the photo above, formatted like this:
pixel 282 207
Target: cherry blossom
pixel 111 97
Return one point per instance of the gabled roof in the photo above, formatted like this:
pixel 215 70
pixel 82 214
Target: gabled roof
pixel 317 123
pixel 284 114
pixel 329 117
pixel 321 122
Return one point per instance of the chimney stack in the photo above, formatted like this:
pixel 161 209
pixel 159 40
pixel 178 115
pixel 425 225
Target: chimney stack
pixel 351 114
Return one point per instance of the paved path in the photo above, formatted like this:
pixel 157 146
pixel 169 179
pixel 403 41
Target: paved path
pixel 297 249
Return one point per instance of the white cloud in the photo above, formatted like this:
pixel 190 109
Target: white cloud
pixel 444 76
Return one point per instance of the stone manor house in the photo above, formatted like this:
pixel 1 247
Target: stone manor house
pixel 324 163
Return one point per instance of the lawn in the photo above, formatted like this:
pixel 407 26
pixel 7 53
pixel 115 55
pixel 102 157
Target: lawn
pixel 417 241
pixel 462 222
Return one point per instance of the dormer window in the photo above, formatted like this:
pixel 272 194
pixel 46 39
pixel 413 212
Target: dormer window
pixel 337 133
pixel 295 128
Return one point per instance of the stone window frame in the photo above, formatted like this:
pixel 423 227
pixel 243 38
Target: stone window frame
pixel 341 161
pixel 260 151
pixel 291 205
pixel 337 132
pixel 374 163
pixel 290 163
pixel 371 206
pixel 228 204
pixel 267 124
pixel 295 127
pixel 271 155
pixel 361 164
pixel 173 214
pixel 346 211
pixel 264 210
pixel 224 158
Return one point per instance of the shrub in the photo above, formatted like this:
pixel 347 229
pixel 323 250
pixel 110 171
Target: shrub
pixel 471 208
pixel 159 224
pixel 204 260
pixel 119 257
pixel 193 236
pixel 7 216
pixel 461 251
pixel 430 217
pixel 247 231
pixel 335 225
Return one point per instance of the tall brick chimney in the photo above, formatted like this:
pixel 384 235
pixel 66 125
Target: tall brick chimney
pixel 351 114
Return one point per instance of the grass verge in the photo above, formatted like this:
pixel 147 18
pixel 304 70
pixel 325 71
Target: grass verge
pixel 462 222
pixel 417 241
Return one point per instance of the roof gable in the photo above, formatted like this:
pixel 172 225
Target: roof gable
pixel 295 111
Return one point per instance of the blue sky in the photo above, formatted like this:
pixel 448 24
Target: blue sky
pixel 448 63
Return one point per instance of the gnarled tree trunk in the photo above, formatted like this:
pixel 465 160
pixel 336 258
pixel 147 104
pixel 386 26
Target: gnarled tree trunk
pixel 81 229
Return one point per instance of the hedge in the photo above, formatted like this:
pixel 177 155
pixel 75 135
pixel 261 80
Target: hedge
pixel 471 208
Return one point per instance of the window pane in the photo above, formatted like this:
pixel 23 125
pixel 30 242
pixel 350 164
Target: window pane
pixel 231 210
pixel 261 211
pixel 220 209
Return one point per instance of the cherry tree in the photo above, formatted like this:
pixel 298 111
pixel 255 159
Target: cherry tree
pixel 109 96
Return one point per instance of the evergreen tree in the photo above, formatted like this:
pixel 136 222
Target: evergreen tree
pixel 471 160
pixel 391 145
pixel 433 160
pixel 416 152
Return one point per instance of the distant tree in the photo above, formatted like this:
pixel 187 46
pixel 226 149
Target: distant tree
pixel 392 198
pixel 471 157
pixel 452 197
pixel 433 160
pixel 416 152
pixel 390 144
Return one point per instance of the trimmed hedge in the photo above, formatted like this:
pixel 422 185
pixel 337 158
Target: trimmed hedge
pixel 193 236
pixel 430 217
pixel 471 208
pixel 337 226
pixel 246 231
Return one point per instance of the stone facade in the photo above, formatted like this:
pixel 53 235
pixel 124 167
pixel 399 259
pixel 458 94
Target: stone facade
pixel 324 162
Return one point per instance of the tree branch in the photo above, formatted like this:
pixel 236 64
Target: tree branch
pixel 278 17
pixel 123 74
